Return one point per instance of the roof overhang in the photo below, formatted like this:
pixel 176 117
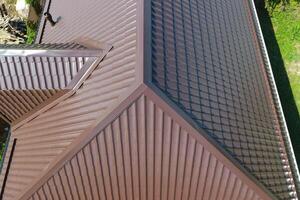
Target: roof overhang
pixel 34 77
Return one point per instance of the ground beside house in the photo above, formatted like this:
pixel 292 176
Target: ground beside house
pixel 287 31
pixel 281 31
pixel 286 26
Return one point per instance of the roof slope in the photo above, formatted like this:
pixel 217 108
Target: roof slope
pixel 206 59
pixel 31 75
pixel 42 66
pixel 144 150
pixel 211 90
pixel 47 135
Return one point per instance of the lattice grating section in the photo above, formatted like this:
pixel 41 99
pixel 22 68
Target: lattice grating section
pixel 205 59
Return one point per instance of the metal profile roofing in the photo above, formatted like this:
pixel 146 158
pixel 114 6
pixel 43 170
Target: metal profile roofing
pixel 43 66
pixel 145 151
pixel 46 136
pixel 206 58
pixel 32 74
pixel 118 124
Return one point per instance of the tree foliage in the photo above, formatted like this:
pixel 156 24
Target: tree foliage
pixel 272 4
pixel 35 4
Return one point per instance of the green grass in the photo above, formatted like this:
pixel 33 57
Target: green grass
pixel 31 32
pixel 286 26
pixel 295 84
pixel 282 36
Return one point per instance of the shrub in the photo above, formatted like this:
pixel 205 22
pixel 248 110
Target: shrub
pixel 36 5
pixel 31 32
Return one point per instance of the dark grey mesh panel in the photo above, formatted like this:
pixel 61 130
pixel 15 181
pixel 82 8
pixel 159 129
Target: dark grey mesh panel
pixel 206 59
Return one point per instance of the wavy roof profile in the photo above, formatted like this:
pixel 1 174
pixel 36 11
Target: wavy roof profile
pixel 31 75
pixel 184 106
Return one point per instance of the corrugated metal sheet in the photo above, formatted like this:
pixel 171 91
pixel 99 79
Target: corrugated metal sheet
pixel 31 72
pixel 49 134
pixel 16 103
pixel 145 154
pixel 27 81
pixel 97 18
pixel 70 45
pixel 206 59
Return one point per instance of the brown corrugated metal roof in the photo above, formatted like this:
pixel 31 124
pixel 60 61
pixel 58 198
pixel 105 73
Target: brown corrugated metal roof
pixel 153 147
pixel 31 74
pixel 109 83
pixel 39 66
pixel 16 103
pixel 144 150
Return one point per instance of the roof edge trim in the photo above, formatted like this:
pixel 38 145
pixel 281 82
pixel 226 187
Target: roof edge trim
pixel 90 43
pixel 51 52
pixel 147 76
pixel 276 98
pixel 42 23
pixel 71 89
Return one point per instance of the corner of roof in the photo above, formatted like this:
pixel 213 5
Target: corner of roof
pixel 81 141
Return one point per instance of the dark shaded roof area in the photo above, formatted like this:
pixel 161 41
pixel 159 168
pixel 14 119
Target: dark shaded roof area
pixel 3 131
pixel 206 59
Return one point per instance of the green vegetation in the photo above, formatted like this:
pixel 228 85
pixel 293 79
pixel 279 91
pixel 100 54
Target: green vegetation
pixel 2 149
pixel 3 138
pixel 286 26
pixel 31 32
pixel 281 29
pixel 273 4
pixel 36 5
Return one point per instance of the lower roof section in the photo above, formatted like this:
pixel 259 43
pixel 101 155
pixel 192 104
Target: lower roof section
pixel 16 103
pixel 143 150
pixel 42 66
pixel 32 76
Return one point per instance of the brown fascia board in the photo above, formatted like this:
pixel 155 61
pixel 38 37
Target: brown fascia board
pixel 98 126
pixel 42 23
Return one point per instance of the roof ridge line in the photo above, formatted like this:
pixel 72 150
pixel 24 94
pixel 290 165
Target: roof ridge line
pixel 80 142
pixel 204 133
